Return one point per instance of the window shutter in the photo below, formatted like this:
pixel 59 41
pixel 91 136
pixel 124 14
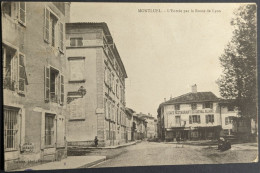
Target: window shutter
pixel 22 12
pixel 47 84
pixel 203 105
pixel 198 118
pixel 207 118
pixel 190 119
pixel 211 105
pixel 226 120
pixel 21 74
pixel 61 89
pixel 61 47
pixel 47 25
pixel 212 118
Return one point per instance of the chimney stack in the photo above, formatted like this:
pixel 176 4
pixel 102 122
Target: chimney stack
pixel 194 88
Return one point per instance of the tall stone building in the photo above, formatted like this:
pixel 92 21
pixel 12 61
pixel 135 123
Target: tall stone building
pixel 96 86
pixel 34 71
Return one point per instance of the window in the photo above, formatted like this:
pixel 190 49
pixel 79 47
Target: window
pixel 228 120
pixel 53 30
pixel 112 82
pixel 22 12
pixel 209 118
pixel 177 107
pixel 14 74
pixel 10 129
pixel 9 67
pixel 230 108
pixel 193 106
pixel 76 42
pixel 208 105
pixel 7 8
pixel 178 120
pixel 194 119
pixel 77 69
pixel 54 86
pixel 53 23
pixel 49 129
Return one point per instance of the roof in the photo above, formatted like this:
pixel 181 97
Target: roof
pixel 105 28
pixel 129 111
pixel 193 97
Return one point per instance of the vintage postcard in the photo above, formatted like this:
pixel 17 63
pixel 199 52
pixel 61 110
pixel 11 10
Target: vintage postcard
pixel 90 85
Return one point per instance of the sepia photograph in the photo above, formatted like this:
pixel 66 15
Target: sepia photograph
pixel 102 84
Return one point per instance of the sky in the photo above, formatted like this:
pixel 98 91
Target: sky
pixel 164 53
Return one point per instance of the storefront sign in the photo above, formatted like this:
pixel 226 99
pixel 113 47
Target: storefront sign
pixel 189 112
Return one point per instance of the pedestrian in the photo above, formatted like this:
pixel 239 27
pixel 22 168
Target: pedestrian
pixel 96 141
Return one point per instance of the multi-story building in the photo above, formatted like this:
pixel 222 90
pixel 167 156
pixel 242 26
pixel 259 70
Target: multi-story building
pixel 150 125
pixel 195 115
pixel 139 127
pixel 34 71
pixel 129 124
pixel 96 86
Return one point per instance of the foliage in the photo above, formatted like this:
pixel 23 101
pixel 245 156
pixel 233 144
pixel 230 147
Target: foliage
pixel 238 61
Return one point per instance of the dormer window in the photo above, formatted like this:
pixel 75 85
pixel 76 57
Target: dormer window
pixel 194 106
pixel 177 107
pixel 76 42
pixel 208 105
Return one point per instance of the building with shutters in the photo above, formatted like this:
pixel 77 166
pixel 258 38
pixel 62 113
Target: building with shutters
pixel 34 71
pixel 96 86
pixel 150 125
pixel 193 116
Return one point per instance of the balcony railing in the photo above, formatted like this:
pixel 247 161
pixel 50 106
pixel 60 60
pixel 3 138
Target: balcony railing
pixel 8 83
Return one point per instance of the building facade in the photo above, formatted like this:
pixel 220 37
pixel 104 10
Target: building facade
pixel 151 125
pixel 96 86
pixel 195 115
pixel 34 71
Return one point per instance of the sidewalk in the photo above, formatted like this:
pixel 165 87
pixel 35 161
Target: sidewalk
pixel 71 162
pixel 107 147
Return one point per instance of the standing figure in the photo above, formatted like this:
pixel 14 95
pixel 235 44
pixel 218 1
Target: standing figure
pixel 96 141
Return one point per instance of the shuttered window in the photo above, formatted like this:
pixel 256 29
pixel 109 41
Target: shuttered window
pixel 209 118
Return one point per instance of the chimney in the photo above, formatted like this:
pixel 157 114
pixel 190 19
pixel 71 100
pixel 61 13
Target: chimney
pixel 164 99
pixel 194 88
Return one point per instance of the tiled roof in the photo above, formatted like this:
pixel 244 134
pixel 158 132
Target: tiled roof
pixel 193 97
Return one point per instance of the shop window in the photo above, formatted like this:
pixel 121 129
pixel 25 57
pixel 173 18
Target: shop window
pixel 209 118
pixel 11 128
pixel 77 42
pixel 49 129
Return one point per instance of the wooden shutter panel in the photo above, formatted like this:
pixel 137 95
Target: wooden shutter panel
pixel 61 89
pixel 198 118
pixel 212 118
pixel 47 25
pixel 226 120
pixel 22 12
pixel 47 84
pixel 211 105
pixel 190 119
pixel 21 74
pixel 61 37
pixel 203 105
pixel 207 118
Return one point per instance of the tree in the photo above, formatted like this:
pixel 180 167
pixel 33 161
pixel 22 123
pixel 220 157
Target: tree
pixel 238 81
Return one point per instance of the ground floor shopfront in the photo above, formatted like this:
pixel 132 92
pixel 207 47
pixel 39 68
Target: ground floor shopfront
pixel 188 133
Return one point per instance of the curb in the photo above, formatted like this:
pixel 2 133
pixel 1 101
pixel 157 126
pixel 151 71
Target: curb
pixel 92 163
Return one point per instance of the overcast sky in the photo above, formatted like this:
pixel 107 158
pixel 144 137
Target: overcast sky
pixel 164 53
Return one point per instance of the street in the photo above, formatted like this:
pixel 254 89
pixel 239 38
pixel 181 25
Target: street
pixel 151 153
